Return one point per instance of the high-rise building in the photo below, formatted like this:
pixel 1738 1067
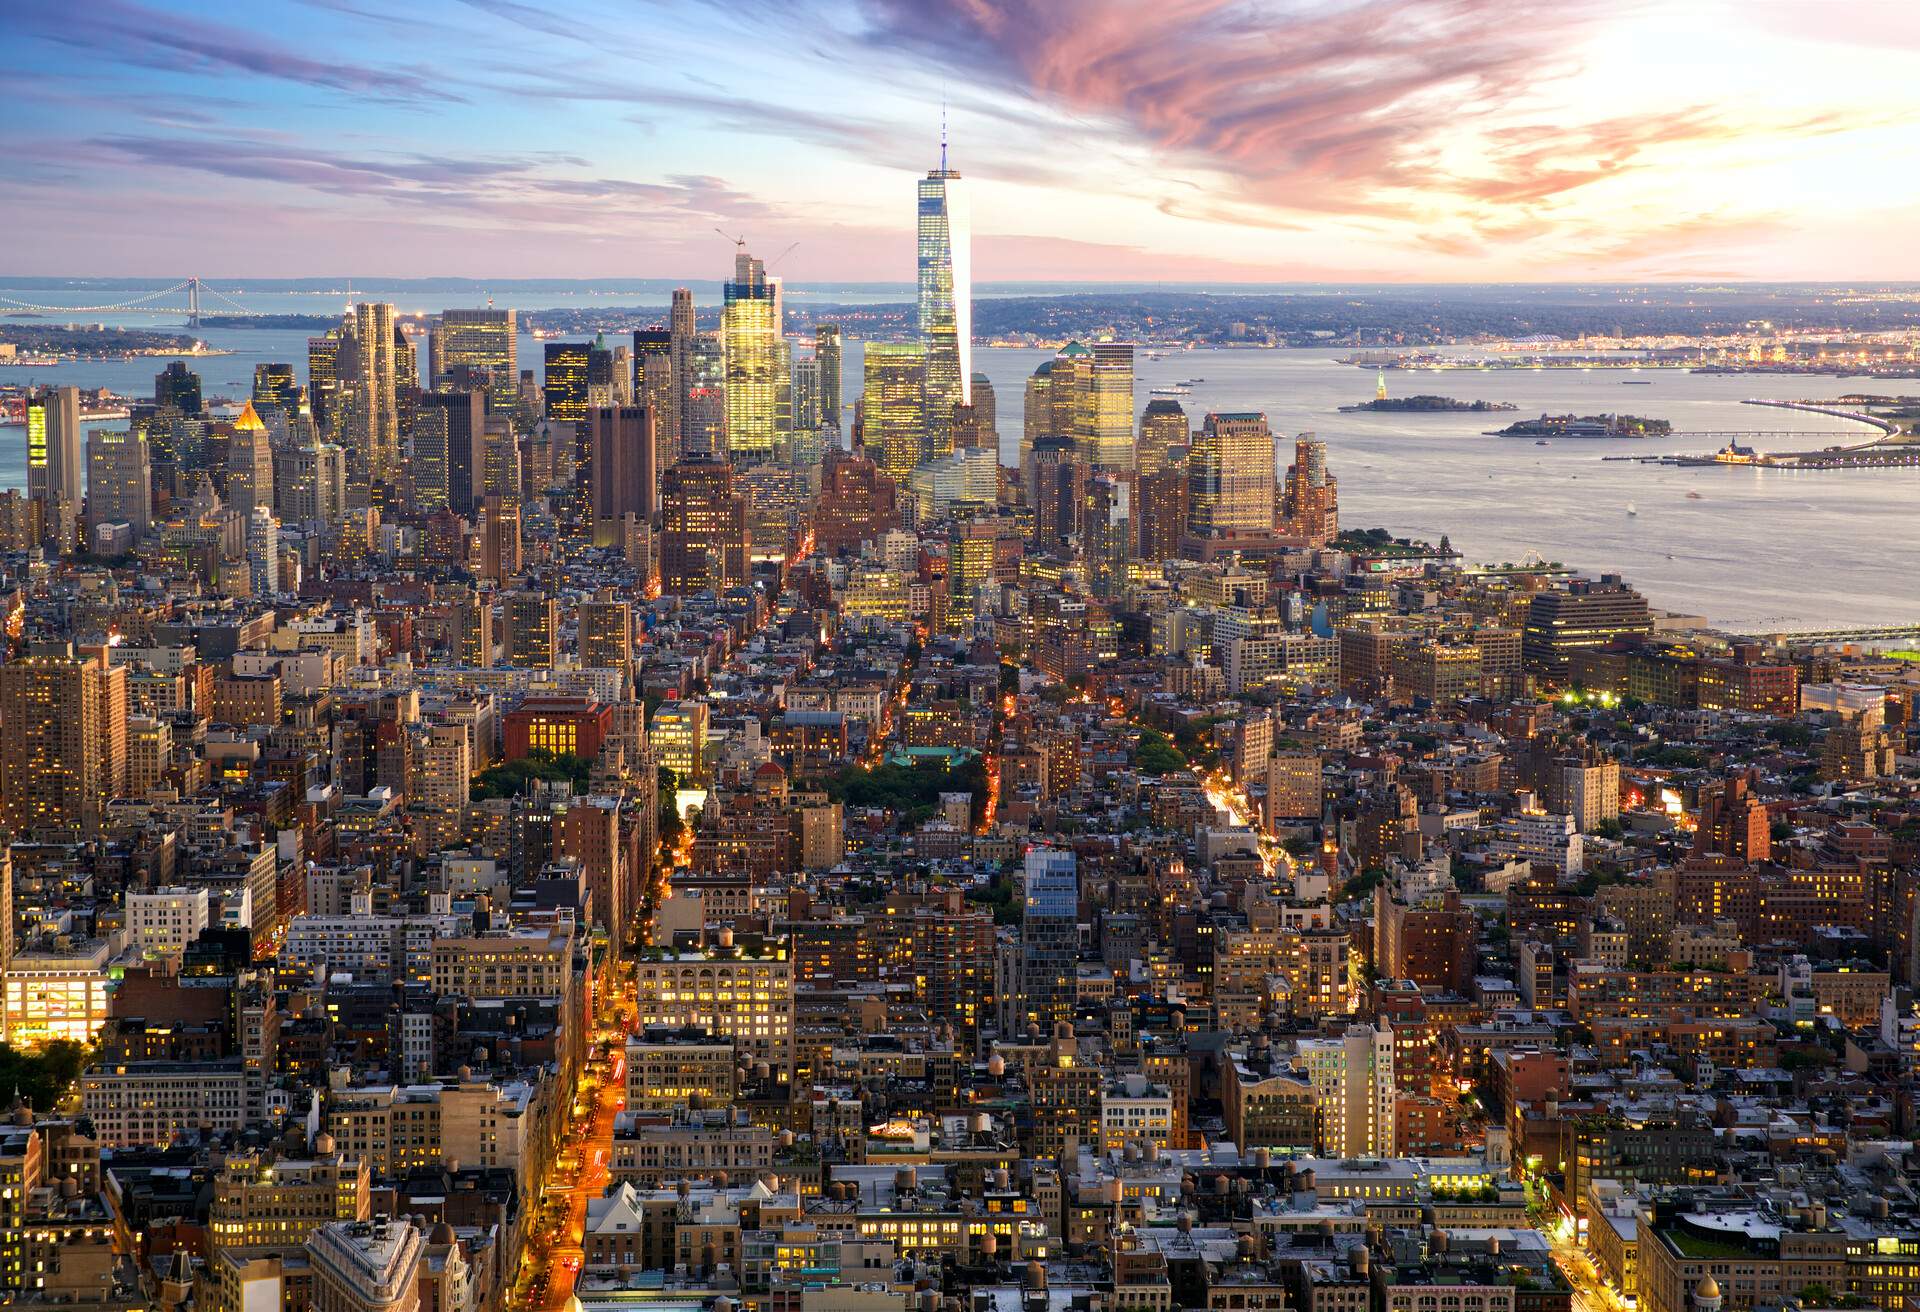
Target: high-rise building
pixel 857 503
pixel 179 387
pixel 705 543
pixel 1309 509
pixel 1162 427
pixel 460 421
pixel 472 340
pixel 273 385
pixel 682 329
pixel 564 382
pixel 893 406
pixel 655 386
pixel 53 445
pixel 1587 613
pixel 1109 534
pixel 379 376
pixel 977 423
pixel 1353 1091
pixel 263 552
pixel 826 349
pixel 606 633
pixel 971 546
pixel 626 475
pixel 533 629
pixel 1036 417
pixel 119 481
pixel 750 339
pixel 1103 408
pixel 1049 939
pixel 323 380
pixel 946 300
pixel 63 740
pixel 316 484
pixel 806 395
pixel 249 463
pixel 1230 477
pixel 600 371
pixel 1163 514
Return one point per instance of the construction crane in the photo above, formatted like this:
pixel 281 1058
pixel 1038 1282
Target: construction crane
pixel 740 243
pixel 782 255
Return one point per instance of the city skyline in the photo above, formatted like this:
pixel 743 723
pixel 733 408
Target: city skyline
pixel 1397 140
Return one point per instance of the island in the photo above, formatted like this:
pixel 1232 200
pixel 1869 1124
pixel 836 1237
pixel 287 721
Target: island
pixel 1585 426
pixel 1423 404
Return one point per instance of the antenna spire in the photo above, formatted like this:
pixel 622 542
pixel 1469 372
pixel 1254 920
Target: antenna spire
pixel 943 134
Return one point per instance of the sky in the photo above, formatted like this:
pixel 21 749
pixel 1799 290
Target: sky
pixel 1103 140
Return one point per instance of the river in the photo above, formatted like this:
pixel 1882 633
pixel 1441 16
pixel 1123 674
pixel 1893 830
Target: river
pixel 1757 549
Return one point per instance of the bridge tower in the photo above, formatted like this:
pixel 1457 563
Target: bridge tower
pixel 193 302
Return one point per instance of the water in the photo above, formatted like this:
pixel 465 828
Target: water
pixel 1761 549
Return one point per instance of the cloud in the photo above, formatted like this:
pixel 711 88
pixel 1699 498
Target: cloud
pixel 174 42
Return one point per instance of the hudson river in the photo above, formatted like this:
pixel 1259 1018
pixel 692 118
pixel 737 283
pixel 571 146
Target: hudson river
pixel 1758 549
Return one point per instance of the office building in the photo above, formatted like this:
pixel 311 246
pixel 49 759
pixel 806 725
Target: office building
pixel 368 1266
pixel 893 408
pixel 626 474
pixel 533 629
pixel 465 343
pixel 737 987
pixel 971 544
pixel 178 387
pixel 323 380
pixel 1163 427
pixel 1103 407
pixel 457 425
pixel 946 300
pixel 826 349
pixel 249 463
pixel 564 382
pixel 606 633
pixel 378 371
pixel 1309 511
pixel 1230 477
pixel 119 481
pixel 678 737
pixel 705 543
pixel 857 503
pixel 750 341
pixel 161 923
pixel 274 387
pixel 682 330
pixel 54 471
pixel 1354 1091
pixel 1049 939
pixel 1587 613
pixel 1163 514
pixel 63 740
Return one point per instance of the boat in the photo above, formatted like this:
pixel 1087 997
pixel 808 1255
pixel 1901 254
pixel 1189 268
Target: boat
pixel 1630 509
pixel 1636 382
pixel 1695 496
pixel 1543 442
pixel 1181 390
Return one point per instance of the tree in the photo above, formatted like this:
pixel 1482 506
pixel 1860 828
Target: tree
pixel 510 778
pixel 1154 753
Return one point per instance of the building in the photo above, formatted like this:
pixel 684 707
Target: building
pixel 1354 1090
pixel 565 726
pixel 450 438
pixel 857 503
pixel 705 540
pixel 54 471
pixel 467 342
pixel 140 1104
pixel 606 633
pixel 1163 431
pixel 1309 511
pixel 63 740
pixel 368 1266
pixel 826 350
pixel 626 469
pixel 945 262
pixel 750 339
pixel 375 454
pixel 678 735
pixel 736 988
pixel 893 410
pixel 119 481
pixel 564 382
pixel 1163 512
pixel 161 923
pixel 1230 477
pixel 670 1069
pixel 1587 614
pixel 533 629
pixel 1049 938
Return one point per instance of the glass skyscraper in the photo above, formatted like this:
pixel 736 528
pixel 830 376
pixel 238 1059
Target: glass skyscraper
pixel 750 336
pixel 946 300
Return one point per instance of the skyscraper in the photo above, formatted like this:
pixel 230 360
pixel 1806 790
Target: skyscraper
pixel 533 629
pixel 826 349
pixel 626 473
pixel 1163 426
pixel 750 338
pixel 119 481
pixel 564 382
pixel 1103 407
pixel 946 299
pixel 323 380
pixel 1353 1091
pixel 806 395
pixel 463 416
pixel 63 740
pixel 1049 938
pixel 478 339
pixel 53 445
pixel 705 430
pixel 893 406
pixel 1230 476
pixel 655 388
pixel 682 328
pixel 179 387
pixel 373 329
pixel 704 540
pixel 273 385
pixel 1310 506
pixel 249 463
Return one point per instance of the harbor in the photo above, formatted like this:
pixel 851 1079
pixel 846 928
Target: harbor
pixel 1895 448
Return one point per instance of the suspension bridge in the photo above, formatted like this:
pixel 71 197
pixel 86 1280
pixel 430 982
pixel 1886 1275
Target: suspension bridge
pixel 182 297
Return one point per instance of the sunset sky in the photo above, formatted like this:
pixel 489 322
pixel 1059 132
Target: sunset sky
pixel 1391 140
